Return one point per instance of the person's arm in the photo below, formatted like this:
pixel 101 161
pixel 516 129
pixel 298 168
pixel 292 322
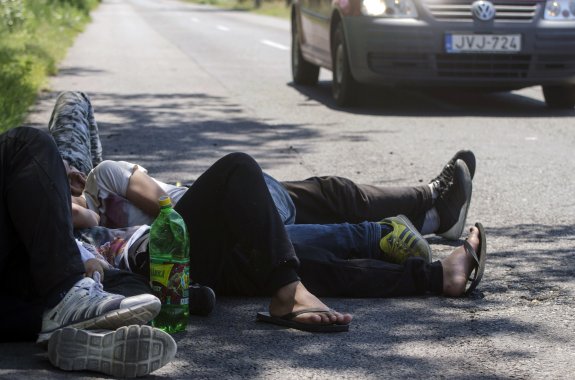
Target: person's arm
pixel 83 217
pixel 144 193
pixel 76 179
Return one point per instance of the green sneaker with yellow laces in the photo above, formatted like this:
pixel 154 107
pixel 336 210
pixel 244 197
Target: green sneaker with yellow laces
pixel 403 241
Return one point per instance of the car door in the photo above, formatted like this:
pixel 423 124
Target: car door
pixel 315 19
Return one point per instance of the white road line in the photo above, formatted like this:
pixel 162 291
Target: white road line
pixel 194 19
pixel 274 44
pixel 223 28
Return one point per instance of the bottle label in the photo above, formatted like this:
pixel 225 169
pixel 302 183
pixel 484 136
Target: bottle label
pixel 170 282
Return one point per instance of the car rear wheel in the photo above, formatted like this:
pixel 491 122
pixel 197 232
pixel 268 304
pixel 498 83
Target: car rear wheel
pixel 303 72
pixel 562 97
pixel 344 87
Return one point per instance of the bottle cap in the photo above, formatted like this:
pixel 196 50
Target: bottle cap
pixel 164 201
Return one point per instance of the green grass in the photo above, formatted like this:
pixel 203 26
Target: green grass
pixel 276 8
pixel 34 37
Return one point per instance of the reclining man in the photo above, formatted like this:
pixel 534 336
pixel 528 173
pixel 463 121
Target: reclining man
pixel 44 293
pixel 127 183
pixel 439 207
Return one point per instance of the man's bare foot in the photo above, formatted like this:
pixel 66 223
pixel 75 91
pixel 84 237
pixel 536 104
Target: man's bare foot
pixel 294 297
pixel 458 266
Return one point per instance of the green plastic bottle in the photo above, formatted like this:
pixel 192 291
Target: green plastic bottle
pixel 170 267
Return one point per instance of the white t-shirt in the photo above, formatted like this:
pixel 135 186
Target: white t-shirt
pixel 107 183
pixel 105 193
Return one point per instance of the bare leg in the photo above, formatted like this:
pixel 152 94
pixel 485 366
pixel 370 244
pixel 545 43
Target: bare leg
pixel 294 297
pixel 458 266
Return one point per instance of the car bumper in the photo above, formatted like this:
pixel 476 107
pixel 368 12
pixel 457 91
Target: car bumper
pixel 412 52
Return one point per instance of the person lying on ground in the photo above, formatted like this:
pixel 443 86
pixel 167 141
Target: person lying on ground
pixel 439 207
pixel 374 267
pixel 340 260
pixel 352 264
pixel 252 257
pixel 44 293
pixel 122 194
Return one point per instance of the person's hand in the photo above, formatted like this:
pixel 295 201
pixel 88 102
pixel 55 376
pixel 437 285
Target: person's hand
pixel 76 178
pixel 77 182
pixel 93 265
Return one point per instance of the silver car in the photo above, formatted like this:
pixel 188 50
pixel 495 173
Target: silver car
pixel 496 45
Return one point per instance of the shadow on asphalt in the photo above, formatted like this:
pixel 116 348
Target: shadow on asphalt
pixel 529 266
pixel 530 259
pixel 434 102
pixel 388 336
pixel 537 262
pixel 183 132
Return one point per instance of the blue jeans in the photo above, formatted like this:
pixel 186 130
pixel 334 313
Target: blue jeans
pixel 281 199
pixel 342 260
pixel 345 241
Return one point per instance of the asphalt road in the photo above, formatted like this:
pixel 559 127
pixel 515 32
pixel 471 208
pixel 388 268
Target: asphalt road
pixel 176 86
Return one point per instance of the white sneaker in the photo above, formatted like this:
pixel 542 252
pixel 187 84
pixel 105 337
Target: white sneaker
pixel 88 306
pixel 126 352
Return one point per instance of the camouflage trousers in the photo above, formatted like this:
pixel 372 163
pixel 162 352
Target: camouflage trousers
pixel 74 129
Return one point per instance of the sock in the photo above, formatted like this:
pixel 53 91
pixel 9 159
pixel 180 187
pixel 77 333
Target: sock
pixel 434 192
pixel 431 222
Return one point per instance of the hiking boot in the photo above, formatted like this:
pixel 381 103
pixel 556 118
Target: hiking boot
pixel 202 299
pixel 453 203
pixel 445 178
pixel 403 241
pixel 88 306
pixel 129 351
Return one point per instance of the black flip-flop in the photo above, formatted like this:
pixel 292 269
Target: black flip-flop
pixel 480 259
pixel 287 321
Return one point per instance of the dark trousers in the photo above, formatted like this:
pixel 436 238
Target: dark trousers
pixel 327 274
pixel 38 253
pixel 238 243
pixel 325 200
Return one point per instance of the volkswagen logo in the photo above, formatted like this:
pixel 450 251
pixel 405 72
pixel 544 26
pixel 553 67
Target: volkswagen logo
pixel 483 10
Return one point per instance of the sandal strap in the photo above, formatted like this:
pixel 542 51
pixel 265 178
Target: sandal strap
pixel 469 249
pixel 293 314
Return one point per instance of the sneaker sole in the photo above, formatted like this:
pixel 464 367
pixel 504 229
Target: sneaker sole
pixel 135 315
pixel 454 233
pixel 414 230
pixel 129 351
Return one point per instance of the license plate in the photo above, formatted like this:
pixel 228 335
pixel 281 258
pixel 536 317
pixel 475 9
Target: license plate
pixel 482 43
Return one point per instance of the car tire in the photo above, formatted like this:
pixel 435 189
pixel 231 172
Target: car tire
pixel 560 97
pixel 344 87
pixel 303 72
